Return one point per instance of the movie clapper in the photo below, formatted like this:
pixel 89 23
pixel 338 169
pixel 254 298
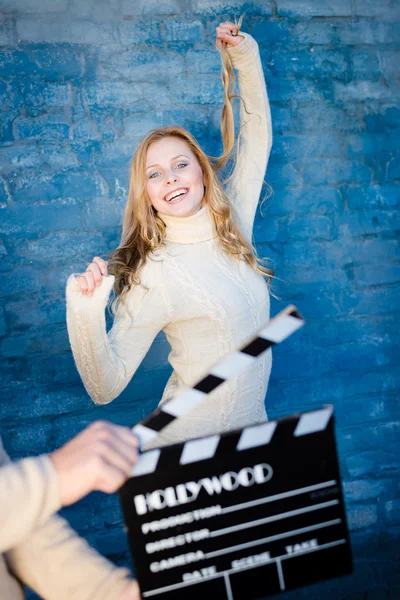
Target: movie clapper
pixel 241 515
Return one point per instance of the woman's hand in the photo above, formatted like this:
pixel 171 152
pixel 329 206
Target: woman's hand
pixel 101 457
pixel 227 32
pixel 131 592
pixel 93 275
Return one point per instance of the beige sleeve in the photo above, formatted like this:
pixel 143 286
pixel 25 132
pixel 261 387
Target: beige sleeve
pixel 107 362
pixel 59 565
pixel 40 548
pixel 29 494
pixel 256 132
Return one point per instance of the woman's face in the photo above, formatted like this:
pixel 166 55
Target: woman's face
pixel 172 167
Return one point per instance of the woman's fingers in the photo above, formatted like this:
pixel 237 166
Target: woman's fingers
pixel 90 284
pixel 227 32
pixel 102 264
pixel 93 275
pixel 95 269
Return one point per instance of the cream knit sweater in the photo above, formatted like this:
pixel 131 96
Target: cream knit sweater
pixel 206 302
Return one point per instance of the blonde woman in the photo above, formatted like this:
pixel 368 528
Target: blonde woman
pixel 185 264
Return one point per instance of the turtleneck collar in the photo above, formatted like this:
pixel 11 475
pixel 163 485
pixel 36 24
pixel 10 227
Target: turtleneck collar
pixel 190 230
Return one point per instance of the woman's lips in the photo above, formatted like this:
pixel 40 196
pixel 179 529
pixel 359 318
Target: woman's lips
pixel 178 199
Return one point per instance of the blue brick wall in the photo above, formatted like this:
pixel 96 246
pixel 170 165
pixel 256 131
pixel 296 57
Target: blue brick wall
pixel 81 83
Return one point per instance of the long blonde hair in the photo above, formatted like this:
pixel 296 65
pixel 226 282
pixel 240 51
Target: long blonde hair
pixel 143 230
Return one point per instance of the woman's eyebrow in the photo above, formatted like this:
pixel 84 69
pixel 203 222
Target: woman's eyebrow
pixel 171 160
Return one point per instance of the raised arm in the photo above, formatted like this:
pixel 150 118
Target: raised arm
pixel 256 131
pixel 107 362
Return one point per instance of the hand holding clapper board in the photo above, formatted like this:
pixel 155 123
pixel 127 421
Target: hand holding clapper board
pixel 241 515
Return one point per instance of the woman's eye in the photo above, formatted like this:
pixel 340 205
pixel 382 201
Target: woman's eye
pixel 182 165
pixel 155 173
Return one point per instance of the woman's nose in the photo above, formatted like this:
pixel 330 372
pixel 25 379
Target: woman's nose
pixel 172 177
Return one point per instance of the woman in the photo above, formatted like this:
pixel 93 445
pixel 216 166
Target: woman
pixel 185 264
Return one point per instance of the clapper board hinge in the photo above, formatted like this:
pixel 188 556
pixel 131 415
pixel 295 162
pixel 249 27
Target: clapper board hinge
pixel 275 331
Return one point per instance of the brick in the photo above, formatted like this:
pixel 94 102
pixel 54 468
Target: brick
pixel 362 489
pixel 32 155
pixel 358 145
pixel 367 222
pixel 115 154
pixel 27 439
pixel 22 312
pixel 227 11
pixel 139 124
pixel 305 200
pixel 41 218
pixel 393 166
pixel 386 117
pixel 282 175
pixel 387 273
pixel 197 90
pixel 46 94
pixel 314 32
pixel 50 126
pixel 136 65
pixel 3 326
pixel 7 30
pixel 10 96
pixel 326 116
pixel 365 64
pixel 105 213
pixel 387 9
pixel 50 29
pixel 392 512
pixel 268 32
pixel 175 31
pixel 139 31
pixel 58 61
pixel 293 147
pixel 150 9
pixel 117 94
pixel 282 118
pixel 389 60
pixel 25 281
pixel 364 89
pixel 373 196
pixel 16 62
pixel 334 171
pixel 367 32
pixel 31 6
pixel 78 185
pixel 284 90
pixel 362 517
pixel 58 245
pixel 314 8
pixel 7 119
pixel 314 62
pixel 372 463
pixel 202 61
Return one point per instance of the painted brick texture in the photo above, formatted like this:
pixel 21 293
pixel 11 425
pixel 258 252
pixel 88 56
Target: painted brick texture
pixel 80 83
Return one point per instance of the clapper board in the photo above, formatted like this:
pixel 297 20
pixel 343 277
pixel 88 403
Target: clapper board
pixel 242 515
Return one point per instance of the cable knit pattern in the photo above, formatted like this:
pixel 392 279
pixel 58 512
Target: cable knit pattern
pixel 206 302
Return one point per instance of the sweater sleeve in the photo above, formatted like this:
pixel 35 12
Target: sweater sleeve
pixel 29 494
pixel 57 564
pixel 40 548
pixel 107 362
pixel 256 132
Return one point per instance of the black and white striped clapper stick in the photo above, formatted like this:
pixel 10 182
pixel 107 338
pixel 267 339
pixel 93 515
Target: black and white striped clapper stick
pixel 275 331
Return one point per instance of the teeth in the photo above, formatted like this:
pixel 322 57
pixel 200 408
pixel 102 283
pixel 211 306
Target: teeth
pixel 175 195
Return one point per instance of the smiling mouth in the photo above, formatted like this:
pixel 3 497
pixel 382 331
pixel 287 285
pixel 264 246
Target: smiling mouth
pixel 181 193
